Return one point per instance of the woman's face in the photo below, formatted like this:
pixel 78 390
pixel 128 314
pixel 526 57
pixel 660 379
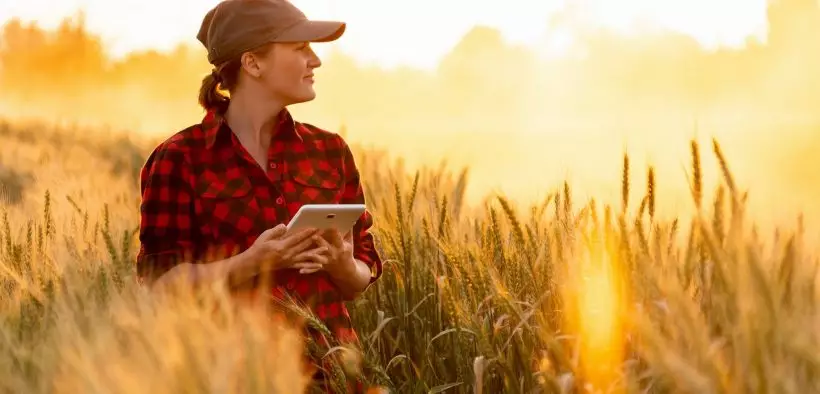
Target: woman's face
pixel 285 72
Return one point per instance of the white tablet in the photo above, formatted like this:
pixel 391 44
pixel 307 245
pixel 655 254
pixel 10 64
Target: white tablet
pixel 342 217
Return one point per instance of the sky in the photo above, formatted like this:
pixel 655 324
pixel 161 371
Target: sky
pixel 414 33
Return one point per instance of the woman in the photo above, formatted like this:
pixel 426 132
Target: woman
pixel 232 181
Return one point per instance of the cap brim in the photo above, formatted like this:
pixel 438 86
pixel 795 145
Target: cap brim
pixel 313 31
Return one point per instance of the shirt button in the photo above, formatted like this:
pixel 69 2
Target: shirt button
pixel 280 200
pixel 273 165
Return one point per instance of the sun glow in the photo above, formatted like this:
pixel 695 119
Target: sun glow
pixel 596 317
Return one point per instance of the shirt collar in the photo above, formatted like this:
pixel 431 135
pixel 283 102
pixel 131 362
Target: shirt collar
pixel 214 125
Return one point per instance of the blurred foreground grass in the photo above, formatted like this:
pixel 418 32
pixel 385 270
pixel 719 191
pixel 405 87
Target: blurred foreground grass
pixel 568 296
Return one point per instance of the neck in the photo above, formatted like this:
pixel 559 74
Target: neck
pixel 252 119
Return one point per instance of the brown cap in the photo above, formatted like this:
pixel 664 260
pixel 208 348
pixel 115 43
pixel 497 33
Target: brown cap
pixel 236 26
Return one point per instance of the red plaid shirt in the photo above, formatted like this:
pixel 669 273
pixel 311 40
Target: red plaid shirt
pixel 202 191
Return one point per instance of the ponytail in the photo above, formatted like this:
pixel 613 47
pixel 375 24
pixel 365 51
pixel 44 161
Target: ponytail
pixel 210 98
pixel 224 78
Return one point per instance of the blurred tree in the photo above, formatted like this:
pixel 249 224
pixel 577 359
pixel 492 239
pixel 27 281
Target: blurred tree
pixel 793 24
pixel 483 74
pixel 794 52
pixel 34 60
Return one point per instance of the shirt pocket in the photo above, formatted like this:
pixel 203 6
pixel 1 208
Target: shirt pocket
pixel 230 212
pixel 316 183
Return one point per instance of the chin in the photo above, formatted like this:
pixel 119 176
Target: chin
pixel 303 98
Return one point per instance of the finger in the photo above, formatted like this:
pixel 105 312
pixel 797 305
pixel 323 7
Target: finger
pixel 295 250
pixel 307 266
pixel 316 255
pixel 308 271
pixel 298 237
pixel 305 232
pixel 290 253
pixel 321 241
pixel 336 239
pixel 314 262
pixel 273 233
pixel 348 240
pixel 280 230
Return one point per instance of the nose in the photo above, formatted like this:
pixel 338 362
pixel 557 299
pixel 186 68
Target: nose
pixel 313 60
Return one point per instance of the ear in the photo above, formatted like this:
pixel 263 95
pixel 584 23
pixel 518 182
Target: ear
pixel 251 64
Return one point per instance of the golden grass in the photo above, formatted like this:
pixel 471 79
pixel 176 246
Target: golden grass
pixel 566 296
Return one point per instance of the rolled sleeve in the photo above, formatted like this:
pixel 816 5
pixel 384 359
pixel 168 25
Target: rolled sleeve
pixel 166 228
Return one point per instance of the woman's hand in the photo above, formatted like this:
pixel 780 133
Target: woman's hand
pixel 337 258
pixel 275 249
pixel 351 276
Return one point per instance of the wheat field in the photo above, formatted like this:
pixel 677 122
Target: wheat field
pixel 566 296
